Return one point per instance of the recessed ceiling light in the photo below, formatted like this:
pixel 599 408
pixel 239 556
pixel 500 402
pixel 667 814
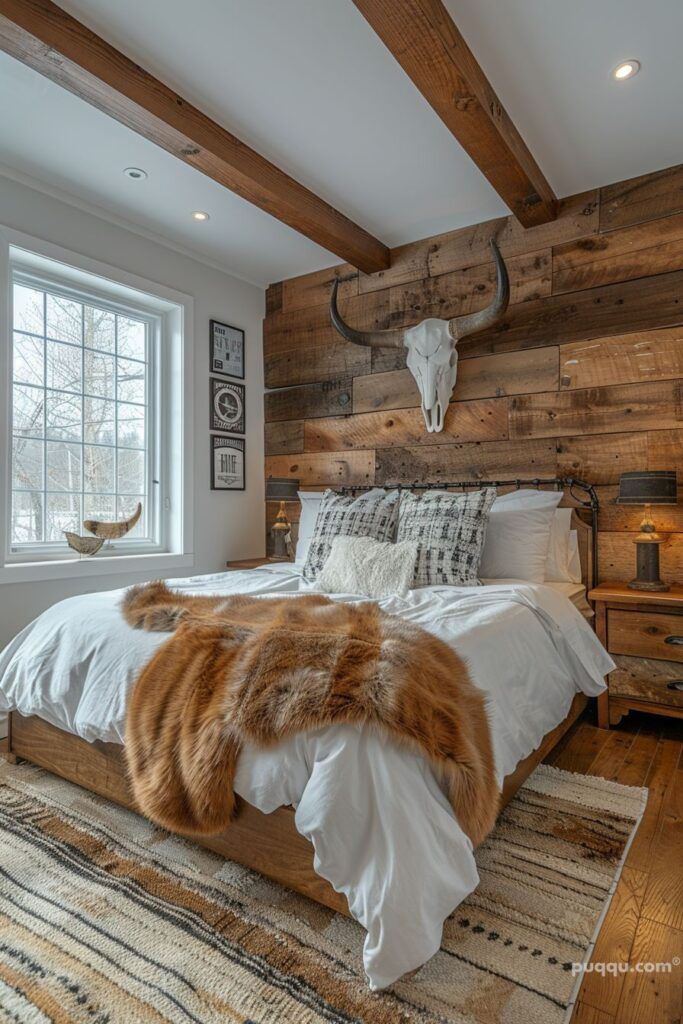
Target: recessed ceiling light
pixel 627 69
pixel 200 215
pixel 135 173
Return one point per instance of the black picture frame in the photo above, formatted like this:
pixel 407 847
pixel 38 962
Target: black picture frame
pixel 232 476
pixel 227 406
pixel 225 343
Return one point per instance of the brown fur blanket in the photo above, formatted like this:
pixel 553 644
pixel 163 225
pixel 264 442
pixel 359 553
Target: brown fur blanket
pixel 240 669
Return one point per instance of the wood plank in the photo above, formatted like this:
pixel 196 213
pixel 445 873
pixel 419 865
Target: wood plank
pixel 654 405
pixel 285 437
pixel 47 39
pixel 469 289
pixel 627 518
pixel 644 634
pixel 651 248
pixel 658 780
pixel 663 900
pixel 601 458
pixel 587 742
pixel 328 469
pixel 617 557
pixel 300 328
pixel 641 305
pixel 614 942
pixel 513 373
pixel 639 757
pixel 623 359
pixel 482 420
pixel 482 461
pixel 273 299
pixel 609 760
pixel 327 398
pixel 645 679
pixel 647 197
pixel 426 43
pixel 656 997
pixel 330 361
pixel 315 289
pixel 664 449
pixel 585 1014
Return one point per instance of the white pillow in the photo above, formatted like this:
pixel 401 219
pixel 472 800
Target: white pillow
pixel 574 561
pixel 516 544
pixel 374 568
pixel 562 562
pixel 557 562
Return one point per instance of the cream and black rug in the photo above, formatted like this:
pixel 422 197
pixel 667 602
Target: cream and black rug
pixel 105 919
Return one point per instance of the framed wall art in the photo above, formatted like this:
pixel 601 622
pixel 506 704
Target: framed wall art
pixel 226 406
pixel 227 463
pixel 226 349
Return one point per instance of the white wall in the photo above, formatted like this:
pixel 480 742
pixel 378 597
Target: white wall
pixel 225 525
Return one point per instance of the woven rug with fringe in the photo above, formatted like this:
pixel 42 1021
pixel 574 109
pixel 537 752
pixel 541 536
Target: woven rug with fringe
pixel 105 919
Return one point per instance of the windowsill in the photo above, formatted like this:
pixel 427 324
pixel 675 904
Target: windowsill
pixel 87 568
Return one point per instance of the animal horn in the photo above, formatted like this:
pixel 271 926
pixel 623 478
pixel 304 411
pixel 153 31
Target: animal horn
pixel 391 338
pixel 461 326
pixel 113 530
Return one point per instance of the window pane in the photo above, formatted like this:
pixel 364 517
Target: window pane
pixel 131 425
pixel 99 506
pixel 98 469
pixel 63 416
pixel 98 328
pixel 131 472
pixel 64 319
pixel 27 411
pixel 63 466
pixel 98 421
pixel 27 518
pixel 99 374
pixel 126 505
pixel 62 512
pixel 131 381
pixel 131 338
pixel 27 359
pixel 63 366
pixel 28 310
pixel 27 464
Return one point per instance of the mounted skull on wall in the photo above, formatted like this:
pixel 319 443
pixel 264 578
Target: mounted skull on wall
pixel 432 357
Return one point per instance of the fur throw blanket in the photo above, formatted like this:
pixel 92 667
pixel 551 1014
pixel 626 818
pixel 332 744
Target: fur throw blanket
pixel 241 669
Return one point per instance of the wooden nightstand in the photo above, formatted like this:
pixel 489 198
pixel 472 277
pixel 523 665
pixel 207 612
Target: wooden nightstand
pixel 644 634
pixel 250 563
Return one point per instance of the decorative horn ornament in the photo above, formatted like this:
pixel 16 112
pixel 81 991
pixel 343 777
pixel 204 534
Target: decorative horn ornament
pixel 432 357
pixel 111 531
pixel 83 545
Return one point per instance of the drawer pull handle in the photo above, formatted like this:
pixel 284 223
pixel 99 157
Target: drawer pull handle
pixel 676 641
pixel 675 684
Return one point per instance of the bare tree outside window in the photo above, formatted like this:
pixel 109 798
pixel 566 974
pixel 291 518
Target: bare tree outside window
pixel 80 415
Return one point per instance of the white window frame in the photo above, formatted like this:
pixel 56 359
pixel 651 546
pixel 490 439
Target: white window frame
pixel 169 315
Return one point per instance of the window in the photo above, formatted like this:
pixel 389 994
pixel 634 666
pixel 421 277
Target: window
pixel 82 415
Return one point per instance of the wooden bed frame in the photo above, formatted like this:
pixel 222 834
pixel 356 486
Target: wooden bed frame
pixel 267 843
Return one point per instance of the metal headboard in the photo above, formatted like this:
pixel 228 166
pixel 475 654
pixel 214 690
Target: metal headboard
pixel 586 497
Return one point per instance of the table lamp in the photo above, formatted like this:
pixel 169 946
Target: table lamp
pixel 282 489
pixel 648 488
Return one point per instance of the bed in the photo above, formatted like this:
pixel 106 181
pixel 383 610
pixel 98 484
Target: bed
pixel 320 813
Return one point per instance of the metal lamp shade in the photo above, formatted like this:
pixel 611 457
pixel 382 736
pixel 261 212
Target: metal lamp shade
pixel 657 487
pixel 281 489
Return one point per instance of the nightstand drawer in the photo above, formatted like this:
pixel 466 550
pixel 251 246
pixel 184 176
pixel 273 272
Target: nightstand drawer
pixel 647 679
pixel 645 634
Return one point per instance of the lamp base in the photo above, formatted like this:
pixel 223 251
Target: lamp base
pixel 648 585
pixel 647 564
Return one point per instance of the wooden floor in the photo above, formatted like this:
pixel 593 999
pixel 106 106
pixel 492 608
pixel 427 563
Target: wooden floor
pixel 645 920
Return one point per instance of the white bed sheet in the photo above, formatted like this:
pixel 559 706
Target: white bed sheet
pixel 382 830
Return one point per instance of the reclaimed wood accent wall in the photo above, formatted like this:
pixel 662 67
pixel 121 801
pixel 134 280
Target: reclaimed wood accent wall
pixel 584 376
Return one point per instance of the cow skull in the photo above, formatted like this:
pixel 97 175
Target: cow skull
pixel 432 357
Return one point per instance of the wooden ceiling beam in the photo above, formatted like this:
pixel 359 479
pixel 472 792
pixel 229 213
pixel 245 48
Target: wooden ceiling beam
pixel 46 38
pixel 424 40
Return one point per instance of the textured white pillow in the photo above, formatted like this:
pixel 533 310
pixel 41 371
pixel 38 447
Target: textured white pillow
pixel 374 568
pixel 310 506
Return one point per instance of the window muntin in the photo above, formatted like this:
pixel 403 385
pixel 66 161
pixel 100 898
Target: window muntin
pixel 83 417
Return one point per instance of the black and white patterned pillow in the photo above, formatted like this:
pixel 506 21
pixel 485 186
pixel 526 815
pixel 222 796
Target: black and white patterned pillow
pixel 369 515
pixel 450 530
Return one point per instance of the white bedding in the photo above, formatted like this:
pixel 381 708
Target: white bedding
pixel 382 830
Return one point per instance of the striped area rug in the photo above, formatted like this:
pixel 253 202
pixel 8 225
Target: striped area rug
pixel 105 919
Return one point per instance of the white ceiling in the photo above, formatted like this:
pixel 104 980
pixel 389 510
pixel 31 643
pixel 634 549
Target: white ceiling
pixel 308 84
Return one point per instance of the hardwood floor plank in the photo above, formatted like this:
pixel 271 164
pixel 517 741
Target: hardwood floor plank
pixel 658 780
pixel 614 942
pixel 639 757
pixel 607 763
pixel 585 1014
pixel 663 901
pixel 587 743
pixel 653 998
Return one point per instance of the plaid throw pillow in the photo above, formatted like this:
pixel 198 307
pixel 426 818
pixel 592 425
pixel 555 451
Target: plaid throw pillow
pixel 339 516
pixel 450 531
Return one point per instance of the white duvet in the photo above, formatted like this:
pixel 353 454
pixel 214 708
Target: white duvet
pixel 383 832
